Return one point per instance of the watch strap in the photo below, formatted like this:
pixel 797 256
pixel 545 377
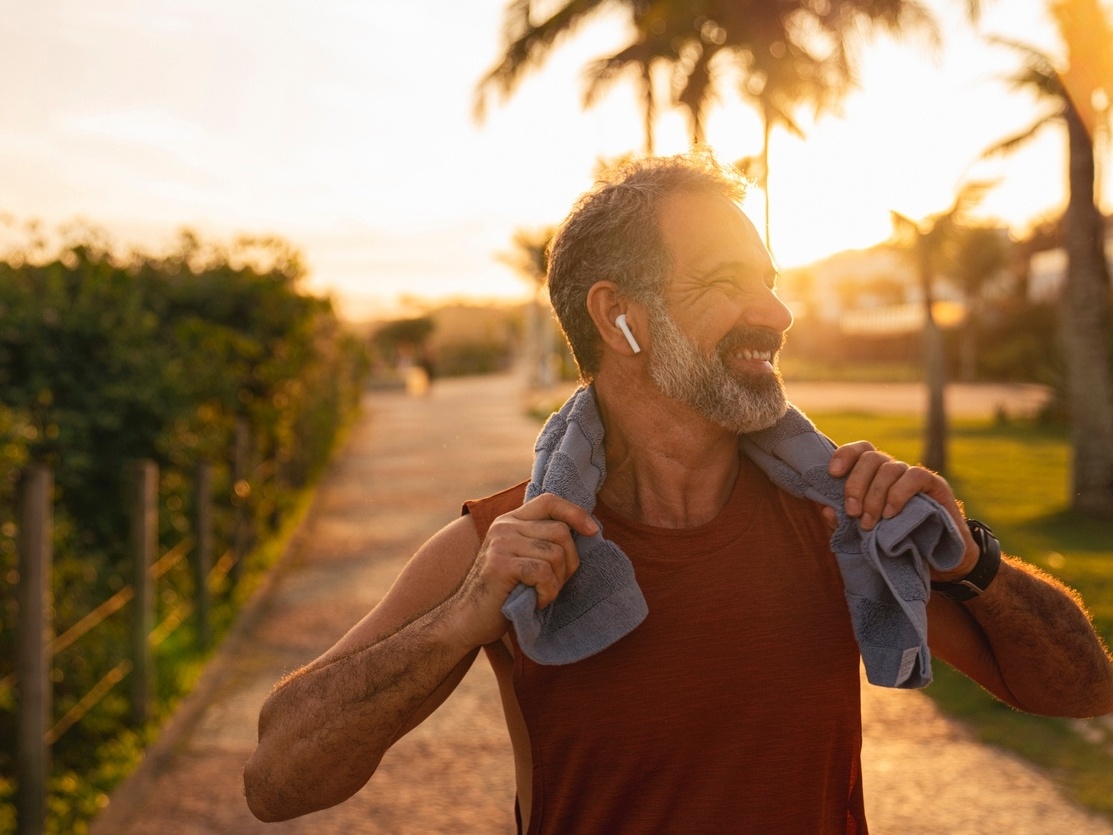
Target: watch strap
pixel 979 578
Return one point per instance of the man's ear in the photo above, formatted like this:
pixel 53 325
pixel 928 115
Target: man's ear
pixel 605 305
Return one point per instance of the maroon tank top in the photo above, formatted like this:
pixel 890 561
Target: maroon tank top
pixel 733 708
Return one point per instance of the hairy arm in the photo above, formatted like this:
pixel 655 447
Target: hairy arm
pixel 325 728
pixel 1029 641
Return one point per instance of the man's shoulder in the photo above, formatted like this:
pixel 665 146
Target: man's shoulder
pixel 485 510
pixel 510 498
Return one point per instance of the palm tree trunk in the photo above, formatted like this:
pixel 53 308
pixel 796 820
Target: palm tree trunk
pixel 1085 329
pixel 935 376
pixel 969 365
pixel 650 110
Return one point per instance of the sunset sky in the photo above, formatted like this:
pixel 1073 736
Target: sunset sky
pixel 346 127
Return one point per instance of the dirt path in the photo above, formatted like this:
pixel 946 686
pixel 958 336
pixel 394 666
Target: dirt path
pixel 402 474
pixel 1015 400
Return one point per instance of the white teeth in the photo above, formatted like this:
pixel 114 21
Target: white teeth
pixel 748 354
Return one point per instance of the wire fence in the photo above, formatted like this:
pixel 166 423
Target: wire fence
pixel 156 576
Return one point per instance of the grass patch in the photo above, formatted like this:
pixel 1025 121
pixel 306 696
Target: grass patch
pixel 1015 477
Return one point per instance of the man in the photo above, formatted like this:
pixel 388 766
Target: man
pixel 734 706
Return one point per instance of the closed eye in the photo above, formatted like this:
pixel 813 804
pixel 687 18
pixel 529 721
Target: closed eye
pixel 738 278
pixel 734 282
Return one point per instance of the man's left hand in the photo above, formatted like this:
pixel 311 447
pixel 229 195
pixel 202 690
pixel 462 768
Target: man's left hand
pixel 878 486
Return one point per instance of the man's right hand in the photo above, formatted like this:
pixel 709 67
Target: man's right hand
pixel 324 729
pixel 531 545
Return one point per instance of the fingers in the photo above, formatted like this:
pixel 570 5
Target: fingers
pixel 878 486
pixel 844 458
pixel 534 545
pixel 551 506
pixel 539 554
pixel 869 475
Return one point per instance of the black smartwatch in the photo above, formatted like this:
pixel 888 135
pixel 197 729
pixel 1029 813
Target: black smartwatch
pixel 978 580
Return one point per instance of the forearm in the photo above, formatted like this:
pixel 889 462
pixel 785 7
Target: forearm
pixel 1047 654
pixel 323 731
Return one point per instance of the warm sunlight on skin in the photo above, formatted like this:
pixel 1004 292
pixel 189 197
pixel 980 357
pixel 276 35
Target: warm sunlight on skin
pixel 324 127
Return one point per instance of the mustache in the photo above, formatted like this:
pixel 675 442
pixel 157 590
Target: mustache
pixel 761 339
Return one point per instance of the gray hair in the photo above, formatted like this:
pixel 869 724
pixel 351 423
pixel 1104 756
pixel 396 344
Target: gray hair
pixel 613 233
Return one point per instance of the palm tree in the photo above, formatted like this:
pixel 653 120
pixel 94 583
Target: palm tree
pixel 789 54
pixel 655 44
pixel 980 254
pixel 530 259
pixel 779 80
pixel 528 44
pixel 930 243
pixel 1046 235
pixel 603 72
pixel 1078 95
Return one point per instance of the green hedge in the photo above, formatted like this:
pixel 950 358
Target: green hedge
pixel 107 358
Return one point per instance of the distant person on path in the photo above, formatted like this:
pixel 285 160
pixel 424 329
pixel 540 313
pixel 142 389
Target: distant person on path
pixel 428 365
pixel 728 699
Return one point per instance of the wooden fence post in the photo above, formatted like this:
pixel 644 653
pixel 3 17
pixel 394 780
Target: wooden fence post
pixel 144 543
pixel 203 533
pixel 33 665
pixel 241 488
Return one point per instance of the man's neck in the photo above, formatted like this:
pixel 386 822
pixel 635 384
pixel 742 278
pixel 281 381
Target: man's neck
pixel 667 465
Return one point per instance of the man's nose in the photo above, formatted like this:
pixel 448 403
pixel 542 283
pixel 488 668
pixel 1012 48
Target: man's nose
pixel 770 313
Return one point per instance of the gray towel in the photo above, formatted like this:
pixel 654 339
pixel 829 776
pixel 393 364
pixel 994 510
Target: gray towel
pixel 885 571
pixel 601 601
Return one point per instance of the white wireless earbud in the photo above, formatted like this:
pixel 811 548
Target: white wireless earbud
pixel 622 326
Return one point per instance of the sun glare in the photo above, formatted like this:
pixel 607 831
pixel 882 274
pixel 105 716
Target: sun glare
pixel 371 163
pixel 906 141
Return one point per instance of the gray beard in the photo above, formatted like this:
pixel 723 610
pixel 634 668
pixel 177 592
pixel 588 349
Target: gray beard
pixel 739 403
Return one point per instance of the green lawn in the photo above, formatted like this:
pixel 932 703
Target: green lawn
pixel 1014 477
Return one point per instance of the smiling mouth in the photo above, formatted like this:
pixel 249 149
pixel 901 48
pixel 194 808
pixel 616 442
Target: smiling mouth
pixel 748 354
pixel 755 348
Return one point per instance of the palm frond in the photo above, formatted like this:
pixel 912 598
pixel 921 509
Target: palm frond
pixel 904 17
pixel 693 88
pixel 527 45
pixel 1011 143
pixel 970 194
pixel 600 74
pixel 1037 71
pixel 904 227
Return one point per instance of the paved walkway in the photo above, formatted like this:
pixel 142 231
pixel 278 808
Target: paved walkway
pixel 401 476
